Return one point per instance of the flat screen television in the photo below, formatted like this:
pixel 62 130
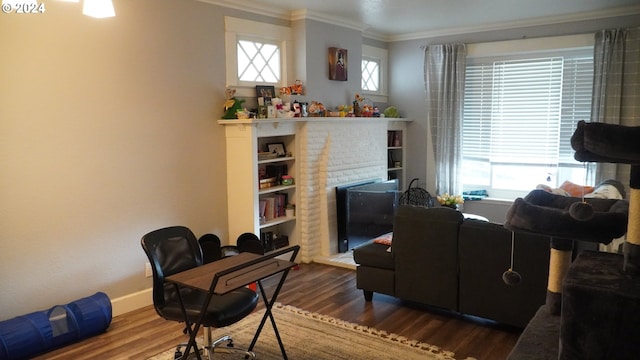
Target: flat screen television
pixel 365 210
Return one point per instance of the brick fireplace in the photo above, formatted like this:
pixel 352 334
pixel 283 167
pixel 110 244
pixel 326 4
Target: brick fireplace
pixel 332 153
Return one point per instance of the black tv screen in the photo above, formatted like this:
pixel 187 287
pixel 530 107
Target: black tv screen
pixel 365 210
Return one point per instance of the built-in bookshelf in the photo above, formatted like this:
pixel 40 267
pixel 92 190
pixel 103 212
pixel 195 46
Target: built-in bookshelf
pixel 261 188
pixel 396 154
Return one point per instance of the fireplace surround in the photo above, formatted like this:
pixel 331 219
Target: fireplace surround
pixel 326 153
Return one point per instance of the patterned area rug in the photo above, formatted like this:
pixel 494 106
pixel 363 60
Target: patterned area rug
pixel 313 336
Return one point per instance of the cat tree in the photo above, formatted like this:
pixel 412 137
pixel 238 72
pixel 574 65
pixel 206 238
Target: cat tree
pixel 593 304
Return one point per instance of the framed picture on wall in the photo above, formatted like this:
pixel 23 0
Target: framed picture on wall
pixel 337 64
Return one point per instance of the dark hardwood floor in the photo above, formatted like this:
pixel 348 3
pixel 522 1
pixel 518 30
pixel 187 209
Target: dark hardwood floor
pixel 318 288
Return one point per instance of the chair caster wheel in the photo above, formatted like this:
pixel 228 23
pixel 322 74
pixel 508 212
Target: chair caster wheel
pixel 177 355
pixel 230 343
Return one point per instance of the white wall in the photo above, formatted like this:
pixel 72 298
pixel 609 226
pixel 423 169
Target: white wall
pixel 319 37
pixel 107 131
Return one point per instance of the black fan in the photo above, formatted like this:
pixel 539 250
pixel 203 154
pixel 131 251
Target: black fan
pixel 415 195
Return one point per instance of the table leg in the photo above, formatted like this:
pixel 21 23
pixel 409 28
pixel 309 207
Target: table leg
pixel 269 314
pixel 193 332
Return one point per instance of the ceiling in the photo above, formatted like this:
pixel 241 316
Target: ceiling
pixel 398 19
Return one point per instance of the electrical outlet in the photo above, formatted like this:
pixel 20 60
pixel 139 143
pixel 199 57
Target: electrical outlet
pixel 147 270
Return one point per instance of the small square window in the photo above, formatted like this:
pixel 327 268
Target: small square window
pixel 374 73
pixel 258 61
pixel 370 75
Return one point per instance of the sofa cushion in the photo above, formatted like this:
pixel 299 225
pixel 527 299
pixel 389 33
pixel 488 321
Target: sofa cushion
pixel 425 249
pixel 485 253
pixel 374 255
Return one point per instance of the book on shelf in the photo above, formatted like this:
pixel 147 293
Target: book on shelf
pixel 262 207
pixel 394 138
pixel 267 182
pixel 267 240
pixel 276 171
pixel 274 205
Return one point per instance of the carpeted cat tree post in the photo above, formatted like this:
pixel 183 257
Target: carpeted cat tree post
pixel 632 245
pixel 601 306
pixel 599 292
pixel 599 142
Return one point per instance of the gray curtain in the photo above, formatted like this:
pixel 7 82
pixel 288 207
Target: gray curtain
pixel 616 87
pixel 444 69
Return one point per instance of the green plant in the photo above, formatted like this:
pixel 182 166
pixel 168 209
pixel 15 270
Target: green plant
pixel 450 200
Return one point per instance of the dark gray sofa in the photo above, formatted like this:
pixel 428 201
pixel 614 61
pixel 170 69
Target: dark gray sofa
pixel 441 259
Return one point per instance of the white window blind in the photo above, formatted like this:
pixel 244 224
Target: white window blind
pixel 577 84
pixel 519 115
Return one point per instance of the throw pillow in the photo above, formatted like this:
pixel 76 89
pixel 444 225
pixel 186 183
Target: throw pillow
pixel 385 239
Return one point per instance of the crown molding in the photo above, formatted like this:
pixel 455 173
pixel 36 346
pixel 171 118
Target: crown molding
pixel 540 21
pixel 252 7
pixel 305 14
pixel 293 15
pixel 302 14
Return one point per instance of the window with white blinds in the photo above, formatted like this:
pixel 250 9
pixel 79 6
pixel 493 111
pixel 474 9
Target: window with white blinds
pixel 518 118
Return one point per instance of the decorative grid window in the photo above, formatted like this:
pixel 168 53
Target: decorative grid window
pixel 370 74
pixel 258 62
pixel 375 62
pixel 518 118
pixel 256 53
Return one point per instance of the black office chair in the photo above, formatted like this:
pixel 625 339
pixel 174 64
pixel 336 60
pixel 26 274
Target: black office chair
pixel 212 250
pixel 249 242
pixel 175 249
pixel 210 245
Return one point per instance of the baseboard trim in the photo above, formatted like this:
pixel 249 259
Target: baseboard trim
pixel 130 302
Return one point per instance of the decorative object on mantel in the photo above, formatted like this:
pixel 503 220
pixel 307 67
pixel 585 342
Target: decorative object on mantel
pixel 265 92
pixel 337 64
pixel 451 201
pixel 345 110
pixel 391 112
pixel 362 106
pixel 232 105
pixel 295 89
pixel 316 109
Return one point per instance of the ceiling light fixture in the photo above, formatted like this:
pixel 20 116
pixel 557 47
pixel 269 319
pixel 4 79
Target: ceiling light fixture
pixel 98 8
